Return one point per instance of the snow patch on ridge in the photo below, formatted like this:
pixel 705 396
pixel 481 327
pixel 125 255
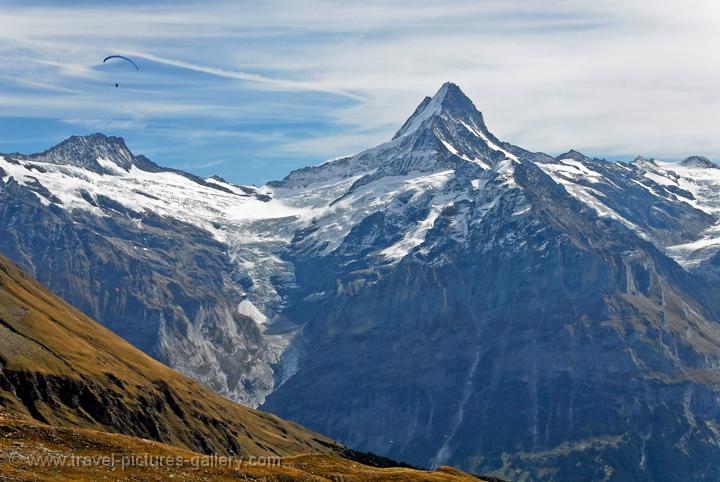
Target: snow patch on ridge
pixel 335 222
pixel 479 133
pixel 246 308
pixel 432 108
pixel 414 237
pixel 567 175
pixel 164 193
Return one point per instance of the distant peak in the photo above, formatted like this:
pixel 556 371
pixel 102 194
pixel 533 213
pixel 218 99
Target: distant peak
pixel 96 138
pixel 84 151
pixel 448 90
pixel 449 100
pixel 640 160
pixel 573 154
pixel 700 162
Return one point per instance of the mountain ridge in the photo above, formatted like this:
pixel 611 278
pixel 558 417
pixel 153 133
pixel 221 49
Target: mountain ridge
pixel 435 279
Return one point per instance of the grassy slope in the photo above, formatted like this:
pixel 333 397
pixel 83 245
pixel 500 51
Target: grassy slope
pixel 60 367
pixel 20 437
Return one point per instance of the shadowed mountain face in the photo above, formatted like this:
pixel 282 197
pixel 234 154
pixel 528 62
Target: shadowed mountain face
pixel 443 298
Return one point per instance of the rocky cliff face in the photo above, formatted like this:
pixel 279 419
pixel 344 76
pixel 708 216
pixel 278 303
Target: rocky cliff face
pixel 100 236
pixel 577 337
pixel 445 297
pixel 512 292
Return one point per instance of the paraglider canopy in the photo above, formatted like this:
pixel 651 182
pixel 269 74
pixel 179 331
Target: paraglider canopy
pixel 121 58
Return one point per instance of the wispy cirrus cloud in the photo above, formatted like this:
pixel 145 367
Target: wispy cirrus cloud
pixel 282 84
pixel 201 165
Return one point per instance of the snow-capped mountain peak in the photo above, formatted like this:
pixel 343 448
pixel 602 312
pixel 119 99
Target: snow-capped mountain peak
pixel 448 102
pixel 446 132
pixel 574 155
pixel 699 162
pixel 89 152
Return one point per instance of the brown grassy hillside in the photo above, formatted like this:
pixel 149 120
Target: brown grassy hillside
pixel 32 451
pixel 60 367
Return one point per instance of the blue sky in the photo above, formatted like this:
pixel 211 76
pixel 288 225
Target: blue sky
pixel 252 90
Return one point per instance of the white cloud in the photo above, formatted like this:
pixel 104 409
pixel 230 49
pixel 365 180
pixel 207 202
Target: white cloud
pixel 200 165
pixel 282 84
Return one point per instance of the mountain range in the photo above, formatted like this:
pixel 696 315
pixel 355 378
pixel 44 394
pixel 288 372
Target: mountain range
pixel 79 403
pixel 443 298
